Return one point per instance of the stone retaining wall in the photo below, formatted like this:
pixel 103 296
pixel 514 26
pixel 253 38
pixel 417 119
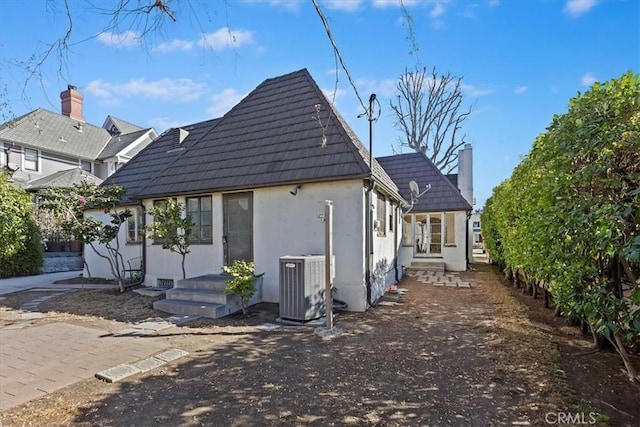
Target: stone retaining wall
pixel 61 261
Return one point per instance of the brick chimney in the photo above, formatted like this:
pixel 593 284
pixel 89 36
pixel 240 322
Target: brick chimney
pixel 72 103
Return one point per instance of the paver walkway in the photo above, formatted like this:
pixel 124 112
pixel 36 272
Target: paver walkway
pixel 436 278
pixel 38 360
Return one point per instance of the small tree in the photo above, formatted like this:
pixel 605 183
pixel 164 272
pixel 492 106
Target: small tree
pixel 242 281
pixel 70 204
pixel 173 229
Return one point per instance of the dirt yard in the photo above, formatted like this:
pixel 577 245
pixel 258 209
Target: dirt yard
pixel 443 356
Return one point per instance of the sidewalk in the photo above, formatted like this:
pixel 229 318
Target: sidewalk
pixel 15 284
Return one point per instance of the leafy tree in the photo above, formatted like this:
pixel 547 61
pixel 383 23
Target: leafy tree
pixel 429 112
pixel 21 248
pixel 242 281
pixel 70 204
pixel 173 228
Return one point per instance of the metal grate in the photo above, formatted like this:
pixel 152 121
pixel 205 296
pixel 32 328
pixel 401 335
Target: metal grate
pixel 165 283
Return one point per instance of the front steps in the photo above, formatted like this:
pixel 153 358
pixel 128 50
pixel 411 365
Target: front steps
pixel 203 296
pixel 428 264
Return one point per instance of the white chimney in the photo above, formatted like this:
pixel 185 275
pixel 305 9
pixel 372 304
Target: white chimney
pixel 72 103
pixel 465 173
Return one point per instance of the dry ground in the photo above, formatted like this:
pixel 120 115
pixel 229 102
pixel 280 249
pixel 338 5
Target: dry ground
pixel 442 357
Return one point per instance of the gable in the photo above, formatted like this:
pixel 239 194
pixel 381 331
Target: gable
pixel 443 195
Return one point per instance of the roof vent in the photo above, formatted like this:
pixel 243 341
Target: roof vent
pixel 179 135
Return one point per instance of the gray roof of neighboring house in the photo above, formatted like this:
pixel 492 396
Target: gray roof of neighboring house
pixel 118 143
pixel 66 178
pixel 56 133
pixel 443 195
pixel 123 126
pixel 269 138
pixel 453 177
pixel 154 158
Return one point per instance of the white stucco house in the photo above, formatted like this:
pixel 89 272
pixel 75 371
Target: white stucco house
pixel 255 182
pixel 436 229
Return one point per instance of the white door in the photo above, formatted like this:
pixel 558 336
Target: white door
pixel 428 235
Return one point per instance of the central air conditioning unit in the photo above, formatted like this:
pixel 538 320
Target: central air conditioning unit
pixel 302 287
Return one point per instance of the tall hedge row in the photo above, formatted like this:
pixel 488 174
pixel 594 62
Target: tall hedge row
pixel 569 215
pixel 20 243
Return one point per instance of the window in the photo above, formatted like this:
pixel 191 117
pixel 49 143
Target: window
pixel 407 230
pixel 134 226
pixel 450 228
pixel 162 204
pixel 199 208
pixel 381 215
pixel 31 159
pixel 86 166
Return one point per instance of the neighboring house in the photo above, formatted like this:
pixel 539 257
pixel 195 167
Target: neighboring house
pixel 255 182
pixel 478 240
pixel 436 229
pixel 41 145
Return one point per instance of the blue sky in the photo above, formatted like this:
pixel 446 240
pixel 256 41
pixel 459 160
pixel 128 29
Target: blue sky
pixel 522 60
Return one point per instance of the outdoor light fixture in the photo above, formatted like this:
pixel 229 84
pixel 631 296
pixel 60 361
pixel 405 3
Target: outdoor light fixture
pixel 294 190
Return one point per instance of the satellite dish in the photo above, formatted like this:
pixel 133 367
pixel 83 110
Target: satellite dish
pixel 13 166
pixel 415 191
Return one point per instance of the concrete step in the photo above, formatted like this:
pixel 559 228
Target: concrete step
pixel 190 308
pixel 198 294
pixel 208 281
pixel 430 265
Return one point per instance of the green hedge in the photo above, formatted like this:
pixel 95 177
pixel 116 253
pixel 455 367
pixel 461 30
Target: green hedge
pixel 21 246
pixel 569 215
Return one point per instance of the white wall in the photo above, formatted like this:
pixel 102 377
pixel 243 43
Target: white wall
pixel 452 255
pixel 288 225
pixel 99 267
pixel 383 270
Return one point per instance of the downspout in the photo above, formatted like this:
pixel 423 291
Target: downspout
pixel 395 240
pixel 143 263
pixel 368 211
pixel 466 251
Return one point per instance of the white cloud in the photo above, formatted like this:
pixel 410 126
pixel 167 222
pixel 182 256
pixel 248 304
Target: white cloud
pixel 576 8
pixel 382 88
pixel 182 90
pixel 222 102
pixel 475 92
pixel 470 11
pixel 163 123
pixel 128 39
pixel 225 38
pixel 334 94
pixel 521 89
pixel 291 5
pixel 173 45
pixel 494 3
pixel 589 79
pixel 437 11
pixel 344 5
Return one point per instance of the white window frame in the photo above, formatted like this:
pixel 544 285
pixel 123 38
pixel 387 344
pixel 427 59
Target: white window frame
pixel 136 220
pixel 38 165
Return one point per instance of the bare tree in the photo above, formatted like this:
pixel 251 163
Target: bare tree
pixel 429 111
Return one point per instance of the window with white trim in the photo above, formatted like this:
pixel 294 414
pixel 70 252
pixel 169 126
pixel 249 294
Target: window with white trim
pixel 381 215
pixel 134 226
pixel 450 228
pixel 31 160
pixel 201 212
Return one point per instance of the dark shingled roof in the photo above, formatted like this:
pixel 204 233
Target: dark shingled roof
pixel 443 195
pixel 269 138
